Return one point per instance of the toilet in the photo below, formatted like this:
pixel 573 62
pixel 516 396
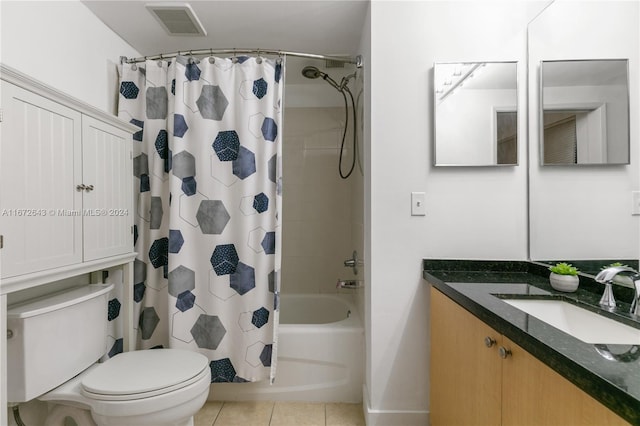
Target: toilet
pixel 53 346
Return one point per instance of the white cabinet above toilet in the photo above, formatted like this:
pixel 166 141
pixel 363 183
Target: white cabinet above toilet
pixel 66 196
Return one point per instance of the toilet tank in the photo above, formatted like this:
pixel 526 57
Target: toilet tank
pixel 53 338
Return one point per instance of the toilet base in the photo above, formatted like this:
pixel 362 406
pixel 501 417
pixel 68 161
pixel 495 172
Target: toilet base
pixel 167 417
pixel 85 417
pixel 60 413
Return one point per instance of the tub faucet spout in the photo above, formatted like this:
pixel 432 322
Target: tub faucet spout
pixel 606 276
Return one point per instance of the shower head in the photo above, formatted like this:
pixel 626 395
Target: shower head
pixel 313 72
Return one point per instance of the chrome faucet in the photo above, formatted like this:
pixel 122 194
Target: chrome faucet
pixel 606 277
pixel 353 263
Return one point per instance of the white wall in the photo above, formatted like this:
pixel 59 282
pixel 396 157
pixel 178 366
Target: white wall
pixel 585 212
pixel 473 213
pixel 62 44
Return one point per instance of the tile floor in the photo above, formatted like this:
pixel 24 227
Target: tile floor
pixel 261 413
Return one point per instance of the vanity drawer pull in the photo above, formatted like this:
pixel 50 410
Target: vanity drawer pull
pixel 489 342
pixel 504 352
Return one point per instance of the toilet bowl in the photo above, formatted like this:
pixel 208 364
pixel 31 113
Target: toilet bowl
pixel 134 388
pixel 149 387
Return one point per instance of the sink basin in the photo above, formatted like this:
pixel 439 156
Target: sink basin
pixel 578 322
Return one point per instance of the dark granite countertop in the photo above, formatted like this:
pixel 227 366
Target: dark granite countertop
pixel 479 286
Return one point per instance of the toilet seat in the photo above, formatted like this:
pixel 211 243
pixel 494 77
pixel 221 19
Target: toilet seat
pixel 144 374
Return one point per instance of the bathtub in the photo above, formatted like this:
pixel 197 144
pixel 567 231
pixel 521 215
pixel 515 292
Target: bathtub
pixel 320 354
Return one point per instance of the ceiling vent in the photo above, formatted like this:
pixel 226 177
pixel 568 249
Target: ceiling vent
pixel 177 19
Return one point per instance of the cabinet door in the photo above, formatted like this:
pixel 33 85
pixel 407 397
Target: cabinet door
pixel 465 373
pixel 534 394
pixel 40 165
pixel 107 169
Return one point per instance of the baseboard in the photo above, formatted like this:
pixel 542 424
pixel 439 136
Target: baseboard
pixel 391 417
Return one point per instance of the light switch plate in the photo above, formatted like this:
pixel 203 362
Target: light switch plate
pixel 418 204
pixel 635 202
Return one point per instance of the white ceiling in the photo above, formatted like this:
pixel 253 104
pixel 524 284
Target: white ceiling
pixel 329 27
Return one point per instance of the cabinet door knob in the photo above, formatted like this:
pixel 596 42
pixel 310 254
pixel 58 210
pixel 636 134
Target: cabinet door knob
pixel 83 187
pixel 504 352
pixel 489 342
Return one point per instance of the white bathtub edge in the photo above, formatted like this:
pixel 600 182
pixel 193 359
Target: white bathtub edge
pixel 391 417
pixel 307 371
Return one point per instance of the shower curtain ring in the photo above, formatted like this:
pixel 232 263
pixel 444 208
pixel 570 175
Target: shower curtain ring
pixel 192 60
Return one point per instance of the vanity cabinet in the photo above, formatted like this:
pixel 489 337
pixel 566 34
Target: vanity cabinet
pixel 480 377
pixel 65 184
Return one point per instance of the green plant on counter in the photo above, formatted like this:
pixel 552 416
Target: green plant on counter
pixel 564 268
pixel 614 264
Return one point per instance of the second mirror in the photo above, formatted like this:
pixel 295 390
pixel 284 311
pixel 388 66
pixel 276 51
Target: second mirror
pixel 585 110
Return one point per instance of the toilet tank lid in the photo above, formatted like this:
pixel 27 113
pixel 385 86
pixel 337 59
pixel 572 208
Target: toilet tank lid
pixel 55 301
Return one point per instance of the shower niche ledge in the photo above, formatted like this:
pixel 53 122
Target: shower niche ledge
pixel 66 183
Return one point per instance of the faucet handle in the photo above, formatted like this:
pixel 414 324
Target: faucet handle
pixel 607 300
pixel 353 263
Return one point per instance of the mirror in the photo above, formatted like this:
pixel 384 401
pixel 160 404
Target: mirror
pixel 583 212
pixel 585 112
pixel 475 114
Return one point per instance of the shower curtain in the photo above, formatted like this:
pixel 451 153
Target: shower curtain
pixel 207 166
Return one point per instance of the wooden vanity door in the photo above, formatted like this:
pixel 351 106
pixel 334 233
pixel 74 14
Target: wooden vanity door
pixel 465 372
pixel 534 394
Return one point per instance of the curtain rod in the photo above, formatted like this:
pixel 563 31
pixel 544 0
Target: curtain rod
pixel 357 61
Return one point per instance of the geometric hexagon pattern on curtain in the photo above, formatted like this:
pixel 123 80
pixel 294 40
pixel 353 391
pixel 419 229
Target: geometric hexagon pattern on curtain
pixel 207 223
